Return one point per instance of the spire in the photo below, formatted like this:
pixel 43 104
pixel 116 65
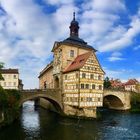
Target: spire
pixel 74 16
pixel 74 27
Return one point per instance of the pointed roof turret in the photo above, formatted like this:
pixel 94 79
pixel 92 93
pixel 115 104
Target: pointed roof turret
pixel 74 27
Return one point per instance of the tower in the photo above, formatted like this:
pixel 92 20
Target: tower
pixel 74 27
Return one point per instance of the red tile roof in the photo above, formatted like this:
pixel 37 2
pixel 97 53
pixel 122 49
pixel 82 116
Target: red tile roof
pixel 9 71
pixel 116 83
pixel 78 62
pixel 131 82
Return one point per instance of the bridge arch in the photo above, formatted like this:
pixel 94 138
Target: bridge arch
pixel 49 95
pixel 112 102
pixel 118 100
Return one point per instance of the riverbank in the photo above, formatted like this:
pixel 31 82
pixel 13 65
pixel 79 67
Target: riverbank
pixel 135 102
pixel 9 106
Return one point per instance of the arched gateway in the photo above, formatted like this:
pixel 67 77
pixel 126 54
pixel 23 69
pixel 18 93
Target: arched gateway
pixel 118 100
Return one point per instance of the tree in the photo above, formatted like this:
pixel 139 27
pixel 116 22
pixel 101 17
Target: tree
pixel 1 66
pixel 107 83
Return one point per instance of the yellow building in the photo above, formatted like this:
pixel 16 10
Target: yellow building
pixel 10 79
pixel 77 72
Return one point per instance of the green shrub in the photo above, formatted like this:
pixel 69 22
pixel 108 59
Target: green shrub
pixel 9 104
pixel 135 102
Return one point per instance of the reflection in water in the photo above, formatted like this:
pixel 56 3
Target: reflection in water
pixel 39 124
pixel 30 120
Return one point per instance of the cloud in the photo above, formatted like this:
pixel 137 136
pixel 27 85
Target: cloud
pixel 137 48
pixel 27 33
pixel 122 74
pixel 58 2
pixel 126 38
pixel 113 73
pixel 116 56
pixel 105 6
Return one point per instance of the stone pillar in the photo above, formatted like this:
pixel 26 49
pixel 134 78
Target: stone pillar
pixel 37 102
pixel 80 112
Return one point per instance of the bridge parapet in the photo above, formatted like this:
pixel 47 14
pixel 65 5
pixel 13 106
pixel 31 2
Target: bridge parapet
pixel 53 92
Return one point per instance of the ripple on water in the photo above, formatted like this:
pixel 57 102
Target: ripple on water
pixel 119 133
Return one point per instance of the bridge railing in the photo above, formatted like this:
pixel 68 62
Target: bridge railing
pixel 38 90
pixel 113 89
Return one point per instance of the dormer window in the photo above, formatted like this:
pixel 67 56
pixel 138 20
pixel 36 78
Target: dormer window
pixel 71 53
pixel 81 60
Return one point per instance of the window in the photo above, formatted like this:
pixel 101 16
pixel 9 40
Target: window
pixel 83 75
pixel 65 77
pixel 87 86
pixel 91 61
pixel 4 83
pixel 66 86
pixel 14 83
pixel 82 86
pixel 71 53
pixel 71 99
pixel 89 99
pixel 93 86
pixel 77 75
pixel 77 86
pixel 100 87
pixel 75 99
pixel 99 99
pixel 66 99
pixel 81 60
pixel 82 99
pixel 15 76
pixel 9 83
pixel 99 77
pixel 91 76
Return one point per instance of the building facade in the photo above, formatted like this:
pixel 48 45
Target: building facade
pixel 131 85
pixel 11 79
pixel 117 84
pixel 76 71
pixel 46 77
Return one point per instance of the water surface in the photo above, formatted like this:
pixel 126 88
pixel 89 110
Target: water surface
pixel 39 124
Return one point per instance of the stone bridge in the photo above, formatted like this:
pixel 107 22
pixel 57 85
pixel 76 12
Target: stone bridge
pixel 113 99
pixel 52 95
pixel 118 100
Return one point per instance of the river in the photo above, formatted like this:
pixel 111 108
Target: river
pixel 40 124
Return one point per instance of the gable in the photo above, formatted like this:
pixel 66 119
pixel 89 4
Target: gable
pixel 92 64
pixel 78 62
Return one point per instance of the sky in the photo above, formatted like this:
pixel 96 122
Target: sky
pixel 28 29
